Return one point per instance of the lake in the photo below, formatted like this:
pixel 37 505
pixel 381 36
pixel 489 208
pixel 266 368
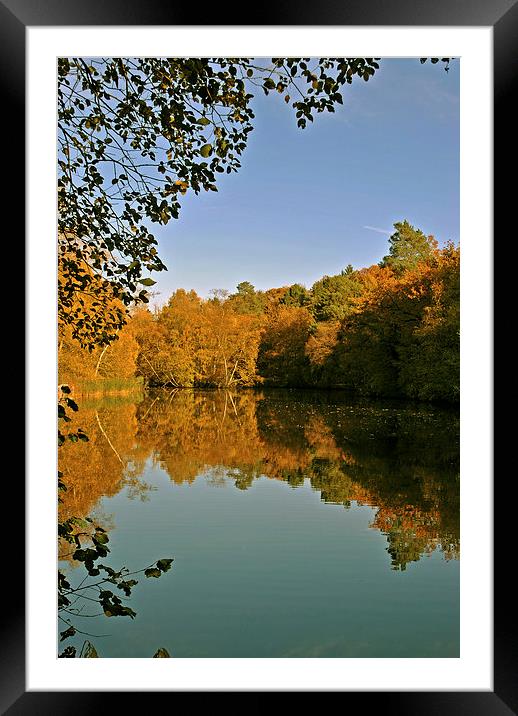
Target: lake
pixel 302 523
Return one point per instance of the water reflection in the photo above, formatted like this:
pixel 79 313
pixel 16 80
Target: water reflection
pixel 401 459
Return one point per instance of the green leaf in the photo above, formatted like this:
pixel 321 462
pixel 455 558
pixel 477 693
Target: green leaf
pixel 204 121
pixel 153 572
pixel 164 564
pixel 67 633
pixel 82 555
pixel 147 282
pixel 206 150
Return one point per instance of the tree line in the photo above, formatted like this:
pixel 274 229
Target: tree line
pixel 389 330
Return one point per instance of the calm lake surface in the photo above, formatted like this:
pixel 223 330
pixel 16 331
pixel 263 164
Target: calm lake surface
pixel 302 523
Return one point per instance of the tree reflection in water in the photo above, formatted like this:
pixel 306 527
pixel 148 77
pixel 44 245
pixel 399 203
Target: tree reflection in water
pixel 400 458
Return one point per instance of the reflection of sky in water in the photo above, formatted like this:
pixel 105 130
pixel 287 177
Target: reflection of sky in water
pixel 358 560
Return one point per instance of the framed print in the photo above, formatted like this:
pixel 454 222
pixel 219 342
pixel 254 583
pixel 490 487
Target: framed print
pixel 354 503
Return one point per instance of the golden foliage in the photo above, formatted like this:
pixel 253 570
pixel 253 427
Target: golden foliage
pixel 242 436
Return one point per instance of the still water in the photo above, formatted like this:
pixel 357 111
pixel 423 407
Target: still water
pixel 302 524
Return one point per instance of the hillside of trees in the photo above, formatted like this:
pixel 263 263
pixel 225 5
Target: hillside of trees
pixel 388 330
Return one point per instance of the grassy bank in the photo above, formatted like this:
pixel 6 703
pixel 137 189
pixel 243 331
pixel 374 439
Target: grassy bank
pixel 106 386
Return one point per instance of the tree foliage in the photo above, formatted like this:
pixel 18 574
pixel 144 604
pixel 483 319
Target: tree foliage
pixel 282 359
pixel 247 300
pixel 391 329
pixel 408 248
pixel 403 339
pixel 409 472
pixel 194 342
pixel 136 134
pixel 333 297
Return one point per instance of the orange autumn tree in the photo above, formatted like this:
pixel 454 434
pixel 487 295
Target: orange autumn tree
pixel 229 344
pixel 176 336
pixel 89 305
pixel 403 337
pixel 195 342
pixel 430 363
pixel 90 300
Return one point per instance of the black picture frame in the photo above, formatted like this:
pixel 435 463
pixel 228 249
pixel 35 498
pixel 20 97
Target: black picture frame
pixel 502 15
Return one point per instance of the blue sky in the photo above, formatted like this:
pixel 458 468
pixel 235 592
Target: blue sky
pixel 299 206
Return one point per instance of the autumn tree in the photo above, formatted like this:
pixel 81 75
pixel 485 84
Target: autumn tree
pixel 430 365
pixel 320 349
pixel 169 341
pixel 403 337
pixel 119 358
pixel 179 324
pixel 229 345
pixel 80 356
pixel 274 297
pixel 89 305
pixel 195 342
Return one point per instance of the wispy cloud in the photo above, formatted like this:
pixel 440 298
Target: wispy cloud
pixel 380 231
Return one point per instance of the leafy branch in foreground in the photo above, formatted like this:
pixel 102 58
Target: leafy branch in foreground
pixel 434 60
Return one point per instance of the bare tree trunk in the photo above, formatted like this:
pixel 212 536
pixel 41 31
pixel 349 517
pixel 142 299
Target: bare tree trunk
pixel 226 369
pixel 100 358
pixel 173 381
pixel 149 364
pixel 233 371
